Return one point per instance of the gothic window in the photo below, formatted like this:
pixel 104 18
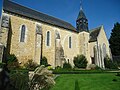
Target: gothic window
pixel 70 42
pixel 48 38
pixel 23 30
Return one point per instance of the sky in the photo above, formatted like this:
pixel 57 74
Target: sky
pixel 98 12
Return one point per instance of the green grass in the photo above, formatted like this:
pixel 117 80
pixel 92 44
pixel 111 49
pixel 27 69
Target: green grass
pixel 87 82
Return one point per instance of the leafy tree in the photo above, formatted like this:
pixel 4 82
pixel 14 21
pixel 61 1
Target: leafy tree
pixel 80 61
pixel 115 40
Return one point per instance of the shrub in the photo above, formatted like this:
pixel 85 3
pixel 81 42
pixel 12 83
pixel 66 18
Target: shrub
pixel 109 63
pixel 19 80
pixel 30 65
pixel 50 68
pixel 118 74
pixel 44 62
pixel 12 62
pixel 67 66
pixel 2 64
pixel 58 67
pixel 41 79
pixel 80 61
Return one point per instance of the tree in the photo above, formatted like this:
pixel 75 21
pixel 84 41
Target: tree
pixel 115 40
pixel 80 61
pixel 109 64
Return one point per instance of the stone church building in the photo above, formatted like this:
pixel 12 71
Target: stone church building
pixel 30 34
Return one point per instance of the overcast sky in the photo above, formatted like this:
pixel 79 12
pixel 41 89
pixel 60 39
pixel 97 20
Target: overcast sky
pixel 98 12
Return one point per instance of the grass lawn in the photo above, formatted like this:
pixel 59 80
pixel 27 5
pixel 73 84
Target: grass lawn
pixel 87 82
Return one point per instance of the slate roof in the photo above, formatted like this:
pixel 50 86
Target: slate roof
pixel 81 15
pixel 94 34
pixel 27 12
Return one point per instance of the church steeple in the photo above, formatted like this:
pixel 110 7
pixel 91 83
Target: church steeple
pixel 81 22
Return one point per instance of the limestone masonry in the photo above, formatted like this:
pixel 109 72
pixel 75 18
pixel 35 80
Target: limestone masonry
pixel 31 35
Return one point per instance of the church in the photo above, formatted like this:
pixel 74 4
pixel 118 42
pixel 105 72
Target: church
pixel 30 35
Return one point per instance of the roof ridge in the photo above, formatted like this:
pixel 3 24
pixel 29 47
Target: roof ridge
pixel 36 11
pixel 35 14
pixel 95 28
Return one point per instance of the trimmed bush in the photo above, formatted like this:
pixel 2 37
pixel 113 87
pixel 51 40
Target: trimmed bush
pixel 44 61
pixel 80 61
pixel 67 66
pixel 109 64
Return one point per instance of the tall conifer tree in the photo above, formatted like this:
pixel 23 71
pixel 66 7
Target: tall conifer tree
pixel 115 40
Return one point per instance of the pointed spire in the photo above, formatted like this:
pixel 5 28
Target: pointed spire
pixel 81 8
pixel 81 13
pixel 81 22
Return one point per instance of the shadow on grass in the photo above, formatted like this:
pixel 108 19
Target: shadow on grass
pixel 77 85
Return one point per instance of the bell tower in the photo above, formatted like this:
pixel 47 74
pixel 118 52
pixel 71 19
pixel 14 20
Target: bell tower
pixel 81 22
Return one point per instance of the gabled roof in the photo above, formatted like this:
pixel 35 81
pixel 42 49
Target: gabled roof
pixel 94 34
pixel 27 12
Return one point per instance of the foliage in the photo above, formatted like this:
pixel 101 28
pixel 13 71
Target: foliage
pixel 77 85
pixel 50 67
pixel 30 65
pixel 12 62
pixel 67 66
pixel 19 80
pixel 118 74
pixel 109 63
pixel 116 59
pixel 80 61
pixel 41 79
pixel 58 67
pixel 115 40
pixel 44 61
pixel 2 64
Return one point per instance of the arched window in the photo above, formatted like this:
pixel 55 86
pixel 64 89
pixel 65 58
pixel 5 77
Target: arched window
pixel 48 38
pixel 23 30
pixel 70 42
